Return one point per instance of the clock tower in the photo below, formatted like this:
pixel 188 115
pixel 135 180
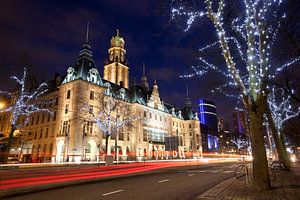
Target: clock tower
pixel 116 68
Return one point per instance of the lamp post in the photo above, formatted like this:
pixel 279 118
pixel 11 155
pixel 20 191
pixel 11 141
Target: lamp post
pixel 2 105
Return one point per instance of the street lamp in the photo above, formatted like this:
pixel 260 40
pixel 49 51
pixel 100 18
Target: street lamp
pixel 2 105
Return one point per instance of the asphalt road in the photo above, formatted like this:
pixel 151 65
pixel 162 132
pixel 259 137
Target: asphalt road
pixel 181 183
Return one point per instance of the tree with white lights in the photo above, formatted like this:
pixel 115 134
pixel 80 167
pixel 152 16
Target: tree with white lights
pixel 279 111
pixel 24 103
pixel 249 70
pixel 111 114
pixel 240 142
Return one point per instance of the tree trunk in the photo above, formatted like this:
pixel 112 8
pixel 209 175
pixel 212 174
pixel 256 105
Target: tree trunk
pixel 261 181
pixel 106 143
pixel 281 151
pixel 9 144
pixel 116 146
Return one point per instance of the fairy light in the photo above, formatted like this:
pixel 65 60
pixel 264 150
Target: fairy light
pixel 26 103
pixel 281 109
pixel 253 47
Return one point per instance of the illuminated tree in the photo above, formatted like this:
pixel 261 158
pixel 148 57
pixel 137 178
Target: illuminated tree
pixel 24 103
pixel 279 111
pixel 111 114
pixel 240 142
pixel 249 69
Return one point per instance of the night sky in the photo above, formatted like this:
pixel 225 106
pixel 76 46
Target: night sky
pixel 47 37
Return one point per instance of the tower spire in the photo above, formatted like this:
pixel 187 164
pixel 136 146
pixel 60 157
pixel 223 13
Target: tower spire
pixel 144 69
pixel 187 90
pixel 87 32
pixel 188 102
pixel 118 34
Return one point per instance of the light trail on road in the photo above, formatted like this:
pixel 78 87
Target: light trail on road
pixel 91 173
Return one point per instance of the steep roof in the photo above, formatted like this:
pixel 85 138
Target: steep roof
pixel 84 67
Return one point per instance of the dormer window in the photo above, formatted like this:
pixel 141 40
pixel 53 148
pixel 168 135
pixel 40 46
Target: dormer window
pixel 92 75
pixel 122 93
pixel 108 88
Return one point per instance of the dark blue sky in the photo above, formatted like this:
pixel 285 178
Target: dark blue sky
pixel 47 35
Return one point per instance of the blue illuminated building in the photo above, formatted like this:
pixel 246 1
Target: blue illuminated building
pixel 207 113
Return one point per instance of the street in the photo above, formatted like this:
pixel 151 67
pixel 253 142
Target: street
pixel 176 183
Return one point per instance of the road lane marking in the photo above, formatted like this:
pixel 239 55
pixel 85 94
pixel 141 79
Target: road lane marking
pixel 203 170
pixel 191 174
pixel 215 171
pixel 229 171
pixel 113 192
pixel 165 180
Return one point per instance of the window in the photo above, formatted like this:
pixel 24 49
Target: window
pixel 56 101
pixel 47 130
pixel 121 135
pixel 51 148
pixel 150 115
pixel 190 125
pixel 45 148
pixel 92 95
pixel 90 109
pixel 66 127
pixel 43 119
pixel 68 94
pixel 35 134
pixel 48 120
pixel 37 119
pixel 155 116
pixel 145 135
pixel 145 114
pixel 54 116
pixel 128 137
pixel 160 118
pixel 91 127
pixel 41 133
pixel 66 108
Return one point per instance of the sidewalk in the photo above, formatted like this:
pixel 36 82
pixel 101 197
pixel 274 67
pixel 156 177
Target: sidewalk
pixel 285 187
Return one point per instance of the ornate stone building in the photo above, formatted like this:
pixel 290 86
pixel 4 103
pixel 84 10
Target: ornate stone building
pixel 70 135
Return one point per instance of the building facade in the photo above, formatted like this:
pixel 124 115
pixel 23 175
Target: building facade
pixel 70 134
